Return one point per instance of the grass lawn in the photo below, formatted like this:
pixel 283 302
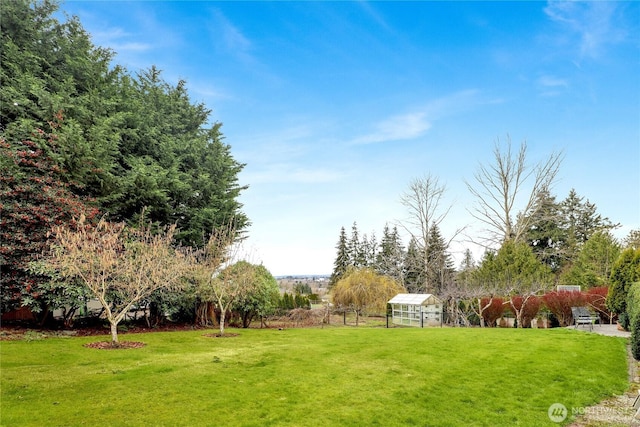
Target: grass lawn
pixel 336 376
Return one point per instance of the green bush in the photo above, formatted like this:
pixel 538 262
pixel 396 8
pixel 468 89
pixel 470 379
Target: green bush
pixel 623 320
pixel 633 300
pixel 635 337
pixel 625 272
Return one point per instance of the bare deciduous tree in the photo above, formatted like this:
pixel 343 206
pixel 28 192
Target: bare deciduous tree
pixel 423 201
pixel 499 187
pixel 121 266
pixel 221 279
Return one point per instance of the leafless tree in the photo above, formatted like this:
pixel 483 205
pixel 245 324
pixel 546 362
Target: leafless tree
pixel 424 202
pixel 121 266
pixel 498 189
pixel 221 279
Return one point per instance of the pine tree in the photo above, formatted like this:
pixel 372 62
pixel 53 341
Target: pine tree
pixel 343 259
pixel 545 235
pixel 414 267
pixel 580 220
pixel 390 257
pixel 353 244
pixel 368 249
pixel 439 264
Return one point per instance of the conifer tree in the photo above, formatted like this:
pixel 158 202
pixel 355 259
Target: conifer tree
pixel 545 234
pixel 389 259
pixel 343 259
pixel 580 220
pixel 439 267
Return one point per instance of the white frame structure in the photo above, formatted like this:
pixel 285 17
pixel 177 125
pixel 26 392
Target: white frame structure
pixel 418 310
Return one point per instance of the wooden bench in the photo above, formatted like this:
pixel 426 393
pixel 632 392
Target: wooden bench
pixel 582 316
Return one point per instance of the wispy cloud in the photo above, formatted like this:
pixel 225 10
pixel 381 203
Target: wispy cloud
pixel 415 124
pixel 595 24
pixel 117 39
pixel 551 85
pixel 234 41
pixel 397 128
pixel 374 15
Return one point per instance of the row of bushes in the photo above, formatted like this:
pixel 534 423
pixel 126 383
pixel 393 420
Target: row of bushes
pixel 559 303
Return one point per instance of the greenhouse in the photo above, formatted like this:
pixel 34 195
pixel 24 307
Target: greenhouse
pixel 418 310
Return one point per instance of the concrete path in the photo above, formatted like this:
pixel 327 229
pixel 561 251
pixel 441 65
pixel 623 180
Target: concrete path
pixel 609 330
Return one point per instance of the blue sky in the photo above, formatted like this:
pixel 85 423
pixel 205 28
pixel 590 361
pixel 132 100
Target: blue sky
pixel 336 106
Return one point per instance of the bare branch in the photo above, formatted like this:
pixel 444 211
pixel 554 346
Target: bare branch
pixel 497 189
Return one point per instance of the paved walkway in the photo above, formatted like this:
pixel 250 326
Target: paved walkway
pixel 609 330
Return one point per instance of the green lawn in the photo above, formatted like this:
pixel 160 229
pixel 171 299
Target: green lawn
pixel 336 376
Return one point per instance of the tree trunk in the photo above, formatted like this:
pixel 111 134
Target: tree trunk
pixel 519 318
pixel 480 311
pixel 114 333
pixel 222 316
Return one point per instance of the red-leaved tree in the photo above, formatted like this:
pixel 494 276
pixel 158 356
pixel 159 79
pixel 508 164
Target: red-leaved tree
pixel 525 309
pixel 34 197
pixel 560 303
pixel 491 310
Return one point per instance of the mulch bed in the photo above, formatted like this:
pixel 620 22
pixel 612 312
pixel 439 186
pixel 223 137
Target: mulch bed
pixel 122 345
pixel 226 335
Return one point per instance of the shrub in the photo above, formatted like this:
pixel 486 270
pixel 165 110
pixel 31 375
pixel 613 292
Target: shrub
pixel 528 310
pixel 633 301
pixel 560 303
pixel 494 310
pixel 623 319
pixel 626 271
pixel 635 337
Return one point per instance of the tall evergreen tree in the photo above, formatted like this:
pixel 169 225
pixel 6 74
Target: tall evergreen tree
pixel 580 220
pixel 356 253
pixel 367 251
pixel 594 262
pixel 545 234
pixel 414 267
pixel 343 260
pixel 389 259
pixel 632 240
pixel 50 68
pixel 439 268
pixel 129 143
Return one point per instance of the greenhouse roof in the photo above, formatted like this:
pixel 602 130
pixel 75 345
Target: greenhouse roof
pixel 413 299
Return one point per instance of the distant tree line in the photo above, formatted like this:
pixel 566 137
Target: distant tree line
pixel 529 248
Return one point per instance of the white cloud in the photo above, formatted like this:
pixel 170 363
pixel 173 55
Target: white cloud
pixel 415 124
pixel 551 81
pixel 551 85
pixel 397 128
pixel 595 24
pixel 117 39
pixel 234 41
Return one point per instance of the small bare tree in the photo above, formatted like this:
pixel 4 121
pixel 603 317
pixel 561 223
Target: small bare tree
pixel 121 266
pixel 423 201
pixel 498 188
pixel 220 278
